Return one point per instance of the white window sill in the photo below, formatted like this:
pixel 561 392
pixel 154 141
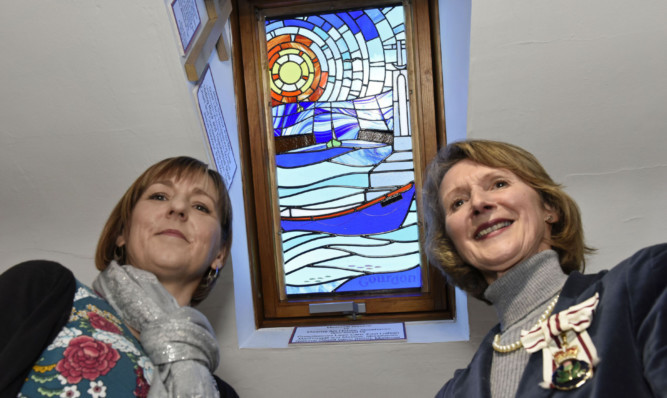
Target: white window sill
pixel 416 332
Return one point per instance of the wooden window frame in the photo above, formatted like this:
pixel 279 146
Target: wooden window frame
pixel 436 300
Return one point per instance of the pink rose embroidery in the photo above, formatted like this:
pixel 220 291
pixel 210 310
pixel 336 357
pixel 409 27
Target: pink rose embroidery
pixel 86 358
pixel 100 322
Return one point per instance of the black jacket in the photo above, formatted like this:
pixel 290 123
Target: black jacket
pixel 629 331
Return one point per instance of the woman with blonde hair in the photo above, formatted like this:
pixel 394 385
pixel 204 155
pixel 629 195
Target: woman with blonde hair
pixel 501 229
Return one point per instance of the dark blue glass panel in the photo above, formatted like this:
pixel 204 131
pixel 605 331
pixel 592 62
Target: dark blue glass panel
pixel 303 158
pixel 367 27
pixel 350 22
pixel 298 22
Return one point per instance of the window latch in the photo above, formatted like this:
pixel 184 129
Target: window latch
pixel 347 307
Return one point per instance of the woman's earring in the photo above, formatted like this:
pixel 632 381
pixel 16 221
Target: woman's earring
pixel 549 218
pixel 211 276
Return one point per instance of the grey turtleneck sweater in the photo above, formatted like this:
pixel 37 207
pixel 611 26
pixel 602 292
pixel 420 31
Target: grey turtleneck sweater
pixel 520 296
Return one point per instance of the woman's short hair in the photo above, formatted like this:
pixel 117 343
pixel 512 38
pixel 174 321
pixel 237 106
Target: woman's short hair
pixel 119 219
pixel 567 235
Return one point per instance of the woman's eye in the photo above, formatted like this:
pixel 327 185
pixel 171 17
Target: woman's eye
pixel 457 203
pixel 500 184
pixel 158 196
pixel 202 208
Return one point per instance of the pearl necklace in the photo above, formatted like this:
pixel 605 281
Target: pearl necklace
pixel 507 348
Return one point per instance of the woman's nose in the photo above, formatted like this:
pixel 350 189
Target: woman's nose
pixel 481 202
pixel 178 208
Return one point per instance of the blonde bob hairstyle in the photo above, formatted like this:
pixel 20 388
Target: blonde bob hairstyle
pixel 119 220
pixel 567 235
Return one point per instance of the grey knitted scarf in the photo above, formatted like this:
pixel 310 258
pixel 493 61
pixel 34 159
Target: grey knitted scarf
pixel 179 340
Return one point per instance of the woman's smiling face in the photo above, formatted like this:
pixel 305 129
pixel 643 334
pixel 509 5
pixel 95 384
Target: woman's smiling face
pixel 494 219
pixel 175 231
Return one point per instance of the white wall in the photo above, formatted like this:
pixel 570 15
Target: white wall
pixel 93 92
pixel 582 85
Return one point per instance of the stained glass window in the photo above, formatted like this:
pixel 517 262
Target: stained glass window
pixel 343 151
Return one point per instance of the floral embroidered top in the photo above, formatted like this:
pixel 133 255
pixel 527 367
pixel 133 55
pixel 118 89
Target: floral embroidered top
pixel 94 355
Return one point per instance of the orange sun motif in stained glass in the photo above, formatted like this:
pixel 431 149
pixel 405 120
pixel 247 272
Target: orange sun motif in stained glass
pixel 295 70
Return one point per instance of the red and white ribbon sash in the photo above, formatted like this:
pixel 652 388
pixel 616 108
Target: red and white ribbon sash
pixel 568 325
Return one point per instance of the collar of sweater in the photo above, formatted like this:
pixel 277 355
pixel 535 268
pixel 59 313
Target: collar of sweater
pixel 525 287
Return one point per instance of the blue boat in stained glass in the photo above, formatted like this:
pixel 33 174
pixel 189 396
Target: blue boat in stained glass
pixel 383 214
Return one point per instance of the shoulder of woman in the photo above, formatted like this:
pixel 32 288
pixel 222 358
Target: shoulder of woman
pixel 638 280
pixel 36 271
pixel 648 265
pixel 40 293
pixel 36 278
pixel 473 381
pixel 226 390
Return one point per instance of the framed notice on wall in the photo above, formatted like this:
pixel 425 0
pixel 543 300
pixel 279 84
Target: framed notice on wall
pixel 212 118
pixel 199 26
pixel 188 21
